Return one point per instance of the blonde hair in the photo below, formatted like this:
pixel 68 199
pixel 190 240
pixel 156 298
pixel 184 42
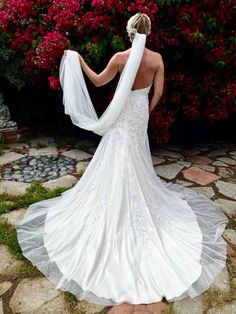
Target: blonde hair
pixel 141 23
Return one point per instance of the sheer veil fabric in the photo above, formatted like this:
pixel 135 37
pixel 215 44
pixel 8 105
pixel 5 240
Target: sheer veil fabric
pixel 165 240
pixel 76 98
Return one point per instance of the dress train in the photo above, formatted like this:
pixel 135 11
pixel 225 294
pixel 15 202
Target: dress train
pixel 122 234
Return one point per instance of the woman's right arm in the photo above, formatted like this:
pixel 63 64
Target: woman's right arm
pixel 106 75
pixel 158 84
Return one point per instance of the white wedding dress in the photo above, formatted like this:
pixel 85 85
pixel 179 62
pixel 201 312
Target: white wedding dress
pixel 122 234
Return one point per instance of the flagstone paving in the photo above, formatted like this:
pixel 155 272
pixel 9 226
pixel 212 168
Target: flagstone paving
pixel 199 175
pixel 208 168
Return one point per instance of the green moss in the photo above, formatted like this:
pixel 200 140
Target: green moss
pixel 28 270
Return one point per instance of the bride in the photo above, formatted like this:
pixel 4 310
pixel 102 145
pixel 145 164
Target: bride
pixel 122 234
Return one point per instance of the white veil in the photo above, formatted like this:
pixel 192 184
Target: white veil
pixel 76 99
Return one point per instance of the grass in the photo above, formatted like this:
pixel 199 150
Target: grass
pixel 5 207
pixel 79 174
pixel 2 146
pixel 35 193
pixel 70 297
pixel 63 141
pixel 8 237
pixel 214 298
pixel 28 270
pixel 72 302
pixel 82 146
pixel 169 309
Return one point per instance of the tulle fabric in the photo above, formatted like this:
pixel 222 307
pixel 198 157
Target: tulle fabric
pixel 76 99
pixel 122 234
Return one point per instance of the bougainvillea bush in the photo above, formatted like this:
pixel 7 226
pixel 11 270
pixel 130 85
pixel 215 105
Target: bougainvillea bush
pixel 195 38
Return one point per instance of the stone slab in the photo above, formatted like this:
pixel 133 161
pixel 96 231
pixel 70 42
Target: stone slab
pixel 18 145
pixel 190 152
pixel 81 165
pixel 205 167
pixel 157 160
pixel 1 307
pixel 221 282
pixel 228 308
pixel 66 181
pixel 205 190
pixel 90 308
pixel 31 294
pixel 184 163
pixel 5 286
pixel 169 171
pixel 217 152
pixel 228 207
pixel 184 183
pixel 227 160
pixel 230 236
pixel 9 157
pixel 166 153
pixel 157 307
pixel 8 264
pixel 45 151
pixel 77 154
pixel 14 216
pixel 57 305
pixel 219 164
pixel 225 172
pixel 226 188
pixel 13 187
pixel 199 176
pixel 200 159
pixel 184 306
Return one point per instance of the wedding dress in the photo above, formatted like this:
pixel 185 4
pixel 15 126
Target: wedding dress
pixel 121 234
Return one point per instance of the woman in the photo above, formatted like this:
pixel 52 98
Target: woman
pixel 121 234
pixel 151 70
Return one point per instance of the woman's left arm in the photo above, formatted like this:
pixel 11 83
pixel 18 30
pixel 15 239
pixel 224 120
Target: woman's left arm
pixel 106 75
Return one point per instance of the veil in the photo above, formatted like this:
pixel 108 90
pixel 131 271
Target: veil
pixel 76 99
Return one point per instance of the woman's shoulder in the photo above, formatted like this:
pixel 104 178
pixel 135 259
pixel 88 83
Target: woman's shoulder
pixel 154 54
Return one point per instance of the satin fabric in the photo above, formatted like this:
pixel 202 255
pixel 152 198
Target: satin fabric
pixel 121 234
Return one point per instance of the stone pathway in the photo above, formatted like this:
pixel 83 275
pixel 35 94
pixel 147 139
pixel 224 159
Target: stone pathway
pixel 208 168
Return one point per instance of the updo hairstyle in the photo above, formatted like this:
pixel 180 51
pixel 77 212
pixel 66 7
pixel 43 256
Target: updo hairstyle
pixel 140 23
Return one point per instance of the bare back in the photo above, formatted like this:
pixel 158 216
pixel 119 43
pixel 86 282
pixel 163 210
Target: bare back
pixel 149 65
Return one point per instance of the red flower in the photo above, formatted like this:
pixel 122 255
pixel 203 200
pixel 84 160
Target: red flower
pixel 54 82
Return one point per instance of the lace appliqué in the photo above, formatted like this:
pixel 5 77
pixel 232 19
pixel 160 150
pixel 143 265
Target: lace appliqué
pixel 95 215
pixel 160 219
